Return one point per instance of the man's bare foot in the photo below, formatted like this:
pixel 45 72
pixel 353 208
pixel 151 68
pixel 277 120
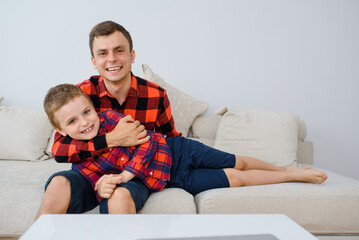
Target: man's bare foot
pixel 306 174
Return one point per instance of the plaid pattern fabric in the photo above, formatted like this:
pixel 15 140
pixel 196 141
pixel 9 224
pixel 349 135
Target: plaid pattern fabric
pixel 146 102
pixel 151 161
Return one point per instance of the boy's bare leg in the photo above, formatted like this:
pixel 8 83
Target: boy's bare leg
pixel 239 178
pixel 56 199
pixel 248 163
pixel 121 201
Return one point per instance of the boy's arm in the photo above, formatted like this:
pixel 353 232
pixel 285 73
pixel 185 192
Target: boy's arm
pixel 141 158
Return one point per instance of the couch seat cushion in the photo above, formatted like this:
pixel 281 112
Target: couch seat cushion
pixel 331 207
pixel 170 201
pixel 22 186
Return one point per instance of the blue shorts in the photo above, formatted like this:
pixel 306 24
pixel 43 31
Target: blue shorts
pixel 80 188
pixel 139 193
pixel 197 167
pixel 83 197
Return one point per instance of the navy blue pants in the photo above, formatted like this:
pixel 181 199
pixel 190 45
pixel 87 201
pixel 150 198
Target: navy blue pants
pixel 83 197
pixel 197 167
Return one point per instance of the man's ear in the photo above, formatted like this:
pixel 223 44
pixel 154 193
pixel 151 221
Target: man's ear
pixel 133 55
pixel 93 62
pixel 61 132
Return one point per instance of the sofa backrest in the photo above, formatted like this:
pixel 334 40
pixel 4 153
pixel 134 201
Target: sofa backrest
pixel 204 129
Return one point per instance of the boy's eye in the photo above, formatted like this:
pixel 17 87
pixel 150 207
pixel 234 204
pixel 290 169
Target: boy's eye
pixel 71 122
pixel 87 112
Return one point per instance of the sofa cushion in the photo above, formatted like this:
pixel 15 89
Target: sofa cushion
pixel 24 133
pixel 184 107
pixel 266 135
pixel 331 207
pixel 22 188
pixel 170 201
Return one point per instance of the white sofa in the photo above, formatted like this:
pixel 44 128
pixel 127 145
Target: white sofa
pixel 329 209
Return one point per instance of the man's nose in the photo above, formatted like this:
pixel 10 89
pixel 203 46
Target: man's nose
pixel 111 56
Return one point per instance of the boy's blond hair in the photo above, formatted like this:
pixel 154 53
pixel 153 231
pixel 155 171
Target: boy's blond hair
pixel 57 97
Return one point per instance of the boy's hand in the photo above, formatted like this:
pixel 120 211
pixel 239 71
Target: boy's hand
pixel 107 184
pixel 128 132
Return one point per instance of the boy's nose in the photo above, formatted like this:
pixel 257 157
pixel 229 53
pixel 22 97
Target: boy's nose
pixel 84 122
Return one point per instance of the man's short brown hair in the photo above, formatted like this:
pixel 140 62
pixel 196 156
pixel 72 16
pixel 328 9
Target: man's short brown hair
pixel 57 97
pixel 106 28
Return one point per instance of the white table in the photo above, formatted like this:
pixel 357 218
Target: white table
pixel 144 226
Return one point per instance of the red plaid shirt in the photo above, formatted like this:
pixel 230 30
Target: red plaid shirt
pixel 146 102
pixel 151 161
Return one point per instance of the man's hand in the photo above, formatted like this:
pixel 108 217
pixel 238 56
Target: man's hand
pixel 128 132
pixel 107 184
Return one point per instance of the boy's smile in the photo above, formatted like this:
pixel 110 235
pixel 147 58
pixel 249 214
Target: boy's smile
pixel 78 119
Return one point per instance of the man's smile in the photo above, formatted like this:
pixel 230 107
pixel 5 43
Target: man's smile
pixel 114 69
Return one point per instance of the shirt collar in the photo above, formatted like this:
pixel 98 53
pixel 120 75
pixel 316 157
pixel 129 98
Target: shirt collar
pixel 103 91
pixel 133 89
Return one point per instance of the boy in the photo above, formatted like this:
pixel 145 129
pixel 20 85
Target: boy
pixel 160 162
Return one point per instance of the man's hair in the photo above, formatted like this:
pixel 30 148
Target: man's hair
pixel 57 97
pixel 106 28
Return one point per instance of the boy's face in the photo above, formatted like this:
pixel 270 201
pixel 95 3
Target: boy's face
pixel 112 56
pixel 78 119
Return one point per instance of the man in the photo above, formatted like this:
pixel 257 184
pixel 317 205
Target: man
pixel 118 89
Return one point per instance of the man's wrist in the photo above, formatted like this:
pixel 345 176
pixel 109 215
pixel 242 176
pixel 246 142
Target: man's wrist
pixel 110 140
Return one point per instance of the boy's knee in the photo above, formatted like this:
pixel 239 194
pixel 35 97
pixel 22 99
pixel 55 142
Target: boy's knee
pixel 58 182
pixel 121 201
pixel 121 194
pixel 56 198
pixel 58 188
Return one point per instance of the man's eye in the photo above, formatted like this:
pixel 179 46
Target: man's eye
pixel 101 54
pixel 120 51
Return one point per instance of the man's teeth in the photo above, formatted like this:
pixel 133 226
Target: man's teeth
pixel 114 69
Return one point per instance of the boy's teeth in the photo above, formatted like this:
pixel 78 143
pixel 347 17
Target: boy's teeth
pixel 87 129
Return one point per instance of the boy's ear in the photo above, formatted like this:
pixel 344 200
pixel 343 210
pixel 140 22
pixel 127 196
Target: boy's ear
pixel 61 132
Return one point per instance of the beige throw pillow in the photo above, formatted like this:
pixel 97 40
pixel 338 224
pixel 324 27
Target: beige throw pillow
pixel 266 135
pixel 184 107
pixel 24 134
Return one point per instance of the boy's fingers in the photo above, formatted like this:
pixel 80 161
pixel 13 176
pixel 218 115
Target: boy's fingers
pixel 128 118
pixel 115 179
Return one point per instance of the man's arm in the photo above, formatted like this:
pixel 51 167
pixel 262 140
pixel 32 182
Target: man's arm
pixel 126 133
pixel 165 123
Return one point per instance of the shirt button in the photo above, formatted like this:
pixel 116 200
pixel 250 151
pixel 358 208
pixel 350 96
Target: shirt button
pixel 122 159
pixel 110 149
pixel 164 136
pixel 151 173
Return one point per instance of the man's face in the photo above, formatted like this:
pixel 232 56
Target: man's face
pixel 78 119
pixel 112 56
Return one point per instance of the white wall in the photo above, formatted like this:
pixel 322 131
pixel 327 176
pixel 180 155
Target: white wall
pixel 283 55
